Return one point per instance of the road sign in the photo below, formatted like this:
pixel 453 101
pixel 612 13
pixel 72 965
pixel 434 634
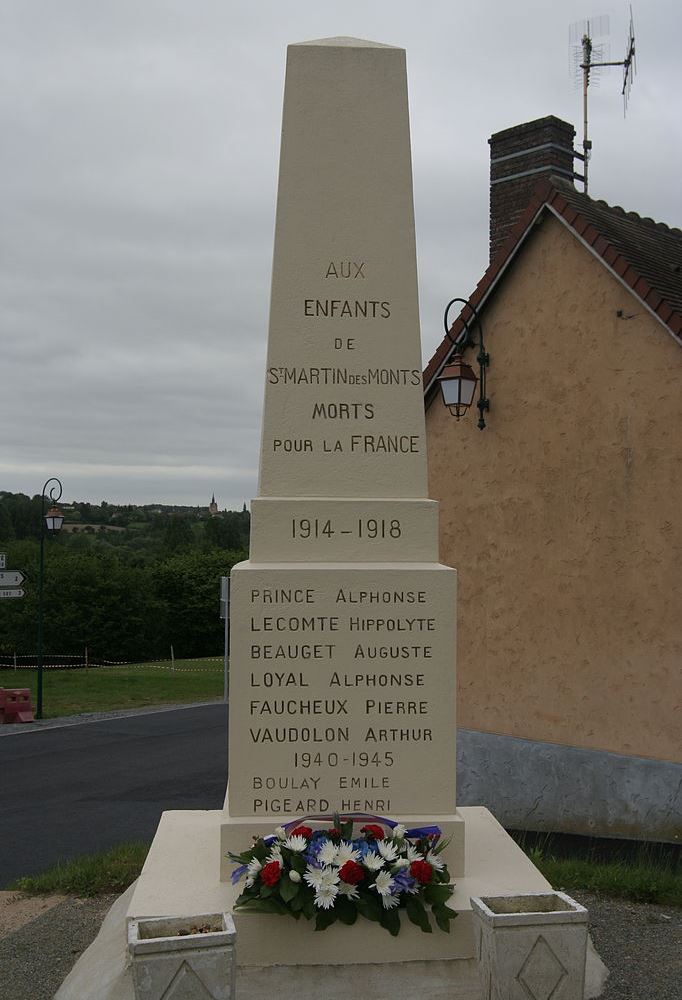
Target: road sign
pixel 11 577
pixel 16 592
pixel 2 560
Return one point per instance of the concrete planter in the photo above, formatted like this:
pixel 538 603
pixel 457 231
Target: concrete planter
pixel 171 961
pixel 530 946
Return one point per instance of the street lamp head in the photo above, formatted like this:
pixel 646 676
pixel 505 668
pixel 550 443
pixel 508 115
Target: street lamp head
pixel 458 383
pixel 457 379
pixel 54 519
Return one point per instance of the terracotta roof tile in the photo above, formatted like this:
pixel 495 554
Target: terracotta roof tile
pixel 647 255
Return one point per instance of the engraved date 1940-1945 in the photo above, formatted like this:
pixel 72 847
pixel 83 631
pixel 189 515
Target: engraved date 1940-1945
pixel 361 758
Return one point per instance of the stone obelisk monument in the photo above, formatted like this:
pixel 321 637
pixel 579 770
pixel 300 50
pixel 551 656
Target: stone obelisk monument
pixel 342 661
pixel 342 693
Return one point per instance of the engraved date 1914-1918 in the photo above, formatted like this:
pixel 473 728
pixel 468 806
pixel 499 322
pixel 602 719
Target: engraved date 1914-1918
pixel 365 527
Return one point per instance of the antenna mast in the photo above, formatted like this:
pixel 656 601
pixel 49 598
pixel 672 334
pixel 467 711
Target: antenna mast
pixel 588 64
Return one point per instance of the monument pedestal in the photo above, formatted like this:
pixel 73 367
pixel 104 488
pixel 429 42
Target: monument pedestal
pixel 180 877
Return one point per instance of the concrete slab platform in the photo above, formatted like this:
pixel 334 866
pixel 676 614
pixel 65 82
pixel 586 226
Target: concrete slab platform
pixel 180 877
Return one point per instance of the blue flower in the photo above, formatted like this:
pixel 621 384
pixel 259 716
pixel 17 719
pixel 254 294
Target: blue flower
pixel 403 882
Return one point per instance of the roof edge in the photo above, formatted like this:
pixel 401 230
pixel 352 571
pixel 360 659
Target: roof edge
pixel 548 196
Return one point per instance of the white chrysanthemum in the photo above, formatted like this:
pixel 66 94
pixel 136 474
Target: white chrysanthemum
pixel 345 852
pixel 325 896
pixel 294 876
pixel 372 861
pixel 399 831
pixel 390 901
pixel 275 854
pixel 348 890
pixel 296 844
pixel 327 853
pixel 383 883
pixel 402 863
pixel 435 860
pixel 330 876
pixel 413 854
pixel 252 869
pixel 313 876
pixel 280 833
pixel 387 850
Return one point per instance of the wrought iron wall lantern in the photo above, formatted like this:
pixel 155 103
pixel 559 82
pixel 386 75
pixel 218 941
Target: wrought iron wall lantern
pixel 458 379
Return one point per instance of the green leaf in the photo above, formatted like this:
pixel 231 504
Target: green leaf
pixel 418 915
pixel 443 916
pixel 324 919
pixel 266 891
pixel 441 845
pixel 345 910
pixel 308 908
pixel 435 894
pixel 262 906
pixel 369 908
pixel 297 902
pixel 298 863
pixel 390 919
pixel 241 859
pixel 288 889
pixel 259 850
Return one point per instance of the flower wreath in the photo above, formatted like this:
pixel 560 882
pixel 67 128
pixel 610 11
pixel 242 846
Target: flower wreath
pixel 329 875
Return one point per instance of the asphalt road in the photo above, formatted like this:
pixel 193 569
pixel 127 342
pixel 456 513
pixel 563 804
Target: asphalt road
pixel 85 788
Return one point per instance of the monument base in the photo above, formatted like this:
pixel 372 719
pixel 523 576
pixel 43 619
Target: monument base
pixel 180 878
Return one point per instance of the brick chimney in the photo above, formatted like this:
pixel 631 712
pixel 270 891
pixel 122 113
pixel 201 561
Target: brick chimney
pixel 519 158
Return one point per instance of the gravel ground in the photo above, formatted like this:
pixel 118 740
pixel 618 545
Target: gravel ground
pixel 36 958
pixel 640 944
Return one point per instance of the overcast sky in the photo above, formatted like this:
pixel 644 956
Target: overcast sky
pixel 139 145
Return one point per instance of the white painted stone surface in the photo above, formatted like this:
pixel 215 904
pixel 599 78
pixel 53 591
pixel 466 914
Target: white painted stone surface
pixel 342 638
pixel 531 946
pixel 188 845
pixel 344 413
pixel 333 711
pixel 172 963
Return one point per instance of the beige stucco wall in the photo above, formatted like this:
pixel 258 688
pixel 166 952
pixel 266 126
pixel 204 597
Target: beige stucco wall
pixel 563 515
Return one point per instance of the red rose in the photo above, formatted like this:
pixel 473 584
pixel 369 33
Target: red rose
pixel 422 871
pixel 373 831
pixel 351 872
pixel 302 831
pixel 270 873
pixel 334 834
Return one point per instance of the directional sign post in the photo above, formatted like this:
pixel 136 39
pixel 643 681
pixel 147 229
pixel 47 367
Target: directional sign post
pixel 16 592
pixel 11 578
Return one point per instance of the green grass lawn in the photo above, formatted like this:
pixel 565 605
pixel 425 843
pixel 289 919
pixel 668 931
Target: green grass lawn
pixel 102 689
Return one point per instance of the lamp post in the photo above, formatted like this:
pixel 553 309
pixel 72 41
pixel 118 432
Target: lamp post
pixel 50 521
pixel 458 380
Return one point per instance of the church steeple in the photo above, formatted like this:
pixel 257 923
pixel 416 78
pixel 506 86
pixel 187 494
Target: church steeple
pixel 213 507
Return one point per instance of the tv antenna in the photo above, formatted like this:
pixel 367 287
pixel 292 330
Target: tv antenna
pixel 592 61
